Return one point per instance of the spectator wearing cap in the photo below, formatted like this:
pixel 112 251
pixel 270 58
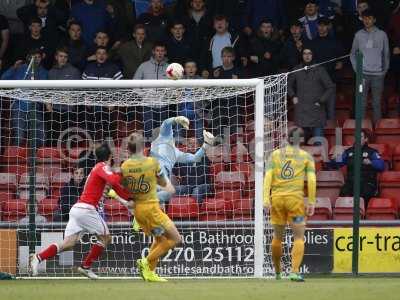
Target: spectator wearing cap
pixel 264 50
pixel 291 52
pixel 198 24
pixel 258 10
pixel 310 90
pixel 36 40
pixel 326 47
pixel 179 48
pixel 20 108
pixel 394 37
pixel 374 45
pixel 134 52
pixel 77 49
pixel 93 17
pixel 155 21
pixel 310 19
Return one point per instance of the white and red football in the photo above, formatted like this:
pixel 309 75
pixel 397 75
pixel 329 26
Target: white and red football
pixel 174 71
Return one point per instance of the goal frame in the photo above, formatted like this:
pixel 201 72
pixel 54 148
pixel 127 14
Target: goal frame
pixel 256 83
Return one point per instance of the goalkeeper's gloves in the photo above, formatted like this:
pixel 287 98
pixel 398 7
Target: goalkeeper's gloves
pixel 183 121
pixel 209 139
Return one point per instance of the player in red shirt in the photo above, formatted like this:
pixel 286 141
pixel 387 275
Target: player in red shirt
pixel 84 217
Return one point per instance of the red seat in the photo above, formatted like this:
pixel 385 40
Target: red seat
pixel 242 209
pixel 14 209
pixel 214 209
pixel 329 184
pixel 323 209
pixel 115 211
pixel 48 155
pixel 382 209
pixel 40 194
pixel 14 155
pixel 17 169
pixel 319 153
pixel 183 208
pixel 239 153
pixel 396 158
pixel 229 181
pixel 349 128
pixel 60 179
pixel 8 182
pixel 344 208
pixel 332 130
pixel 42 181
pixel 385 152
pixel 47 207
pixel 215 168
pixel 228 194
pixel 387 131
pixel 245 167
pixel 389 182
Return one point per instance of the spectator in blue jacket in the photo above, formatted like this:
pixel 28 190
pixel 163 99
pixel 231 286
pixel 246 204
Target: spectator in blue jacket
pixel 20 108
pixel 371 164
pixel 257 10
pixel 94 17
pixel 310 19
pixel 155 21
pixel 179 48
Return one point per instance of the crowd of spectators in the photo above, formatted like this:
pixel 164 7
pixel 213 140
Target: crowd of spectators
pixel 108 39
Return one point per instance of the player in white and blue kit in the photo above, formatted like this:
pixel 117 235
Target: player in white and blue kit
pixel 163 148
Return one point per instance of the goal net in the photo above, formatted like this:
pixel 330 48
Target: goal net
pixel 50 128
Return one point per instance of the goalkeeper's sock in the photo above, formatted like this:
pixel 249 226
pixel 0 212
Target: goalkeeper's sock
pixel 94 253
pixel 297 255
pixel 276 247
pixel 157 241
pixel 49 252
pixel 160 250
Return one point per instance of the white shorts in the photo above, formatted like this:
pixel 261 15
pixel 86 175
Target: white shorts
pixel 85 218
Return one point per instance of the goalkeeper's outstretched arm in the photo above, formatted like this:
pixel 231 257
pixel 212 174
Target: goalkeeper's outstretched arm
pixel 184 157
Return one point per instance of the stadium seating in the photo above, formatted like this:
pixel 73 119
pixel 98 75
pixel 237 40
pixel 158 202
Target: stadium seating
pixel 42 181
pixel 381 209
pixel 14 155
pixel 330 132
pixel 59 180
pixel 329 184
pixel 48 155
pixel 215 168
pixel 214 209
pixel 13 210
pixel 242 209
pixel 40 194
pixel 115 211
pixel 229 181
pixel 323 209
pixel 396 158
pixel 349 127
pixel 319 153
pixel 8 182
pixel 388 131
pixel 239 153
pixel 183 208
pixel 47 208
pixel 389 182
pixel 344 208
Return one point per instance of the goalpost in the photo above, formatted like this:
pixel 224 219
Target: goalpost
pixel 225 230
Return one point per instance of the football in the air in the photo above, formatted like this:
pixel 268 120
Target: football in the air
pixel 174 71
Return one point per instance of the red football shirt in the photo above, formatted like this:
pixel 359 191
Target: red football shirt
pixel 101 175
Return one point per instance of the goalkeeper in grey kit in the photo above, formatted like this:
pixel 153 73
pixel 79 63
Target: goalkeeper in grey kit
pixel 163 148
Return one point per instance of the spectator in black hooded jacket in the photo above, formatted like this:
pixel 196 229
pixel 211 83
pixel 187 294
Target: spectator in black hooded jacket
pixel 69 195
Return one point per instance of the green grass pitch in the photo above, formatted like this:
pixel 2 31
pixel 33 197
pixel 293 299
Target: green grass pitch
pixel 205 289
